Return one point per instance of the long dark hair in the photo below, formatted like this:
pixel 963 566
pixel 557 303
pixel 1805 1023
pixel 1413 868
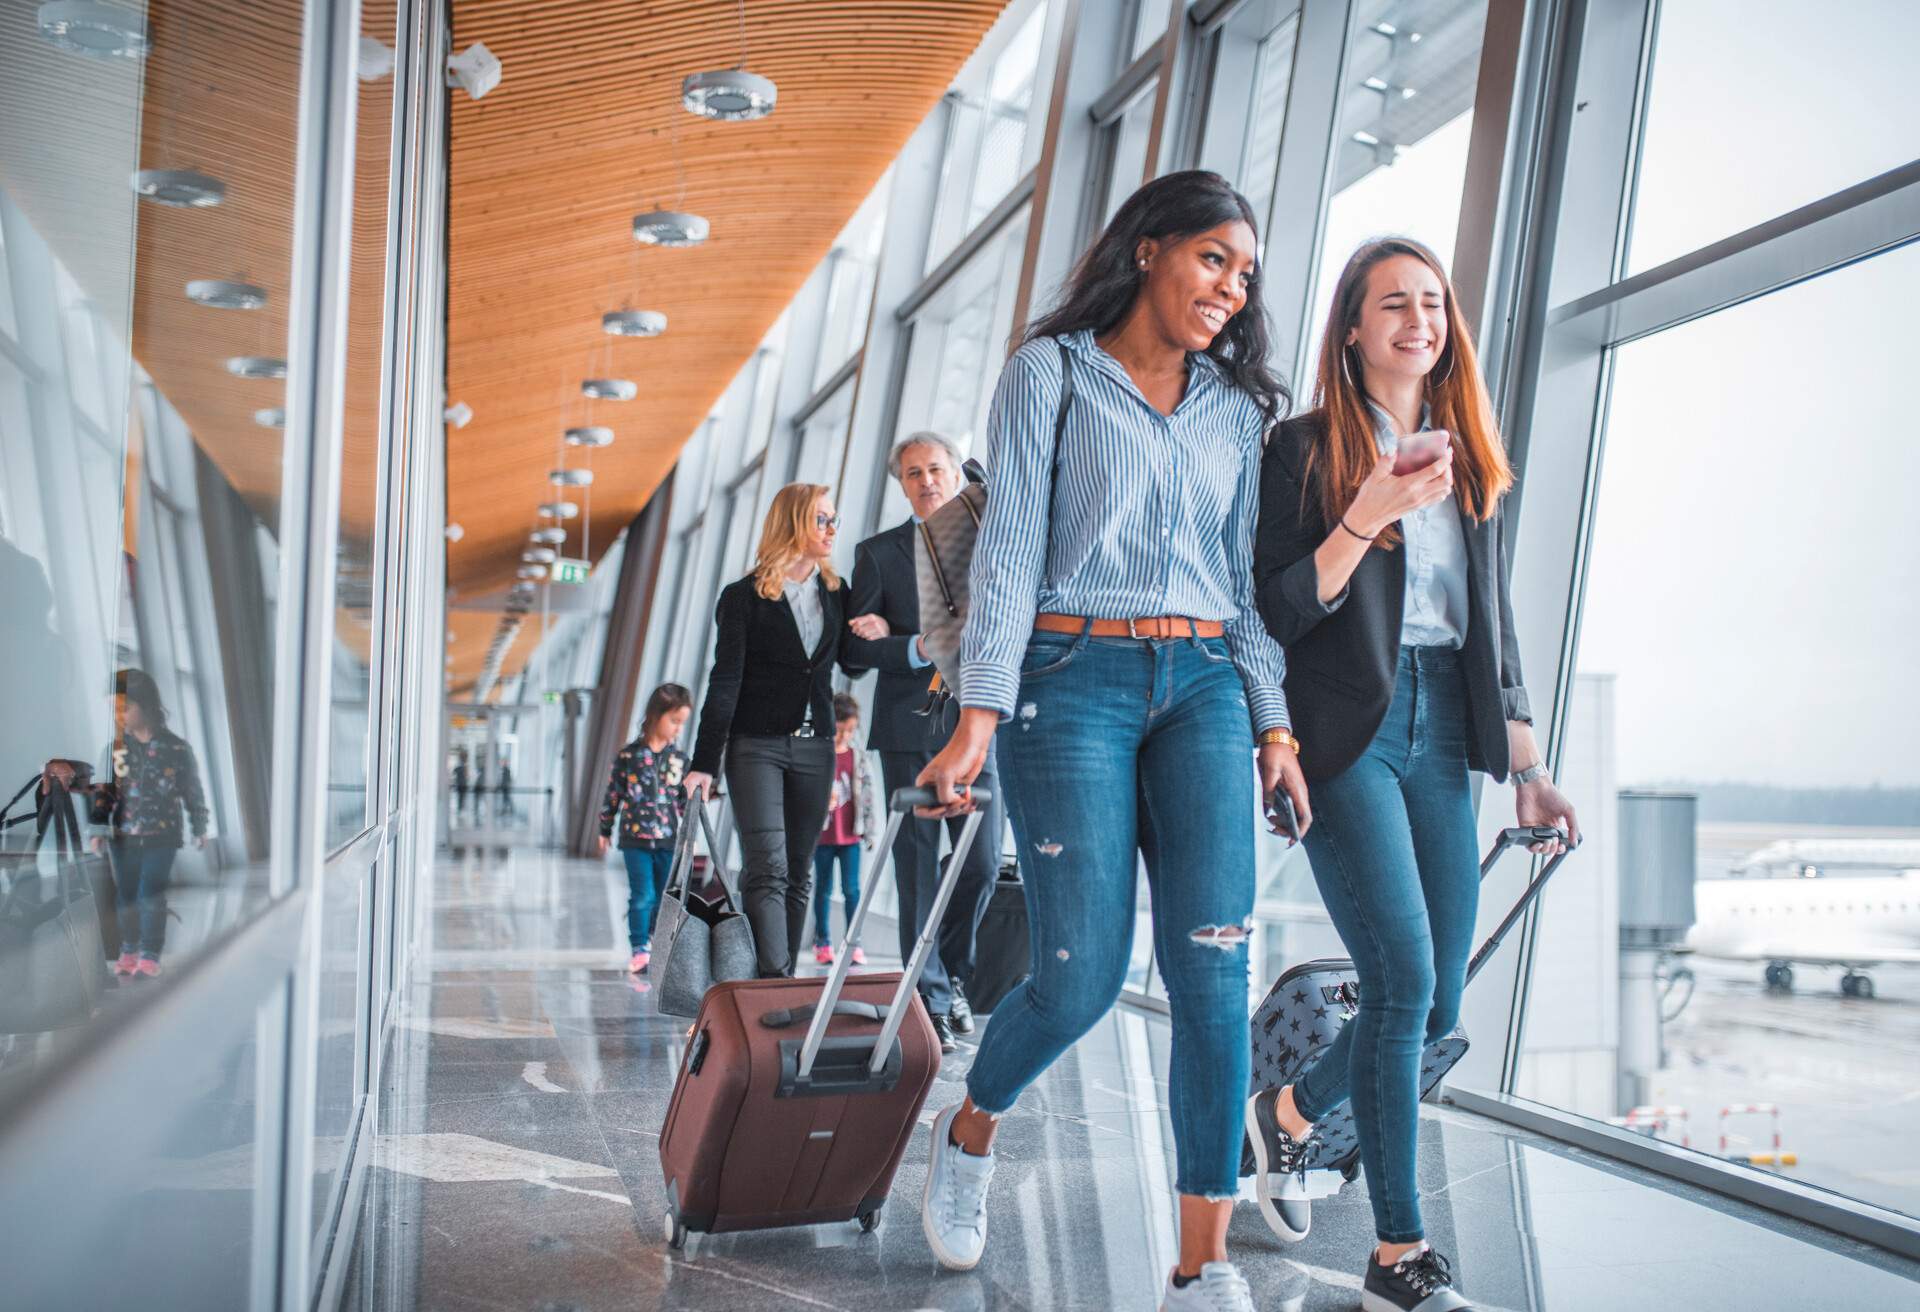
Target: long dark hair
pixel 138 687
pixel 1106 281
pixel 666 699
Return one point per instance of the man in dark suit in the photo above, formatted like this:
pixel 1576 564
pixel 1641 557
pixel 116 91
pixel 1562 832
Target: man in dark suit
pixel 885 603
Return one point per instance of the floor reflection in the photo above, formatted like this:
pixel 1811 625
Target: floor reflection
pixel 528 1076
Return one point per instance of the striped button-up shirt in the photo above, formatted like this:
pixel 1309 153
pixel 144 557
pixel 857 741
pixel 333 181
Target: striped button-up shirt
pixel 1138 515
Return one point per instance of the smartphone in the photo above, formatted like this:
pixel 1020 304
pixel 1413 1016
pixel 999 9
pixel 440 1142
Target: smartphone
pixel 1418 450
pixel 1281 817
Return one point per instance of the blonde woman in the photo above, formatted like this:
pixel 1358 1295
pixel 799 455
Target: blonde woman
pixel 769 710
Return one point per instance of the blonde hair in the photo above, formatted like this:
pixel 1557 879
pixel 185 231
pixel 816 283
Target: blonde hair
pixel 782 539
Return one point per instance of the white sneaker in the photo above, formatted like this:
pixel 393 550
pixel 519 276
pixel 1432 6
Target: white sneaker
pixel 1220 1288
pixel 953 1210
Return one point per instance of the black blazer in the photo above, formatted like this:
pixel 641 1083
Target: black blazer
pixel 1341 662
pixel 763 681
pixel 886 583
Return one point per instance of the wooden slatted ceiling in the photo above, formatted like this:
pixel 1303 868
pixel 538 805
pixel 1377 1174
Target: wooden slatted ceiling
pixel 547 173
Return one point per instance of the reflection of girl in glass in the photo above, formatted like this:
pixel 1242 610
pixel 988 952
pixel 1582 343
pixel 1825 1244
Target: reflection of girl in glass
pixel 153 779
pixel 1379 566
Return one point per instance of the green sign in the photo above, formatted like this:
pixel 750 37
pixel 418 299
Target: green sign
pixel 551 698
pixel 570 571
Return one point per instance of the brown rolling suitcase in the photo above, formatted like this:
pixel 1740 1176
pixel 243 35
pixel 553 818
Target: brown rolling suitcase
pixel 796 1098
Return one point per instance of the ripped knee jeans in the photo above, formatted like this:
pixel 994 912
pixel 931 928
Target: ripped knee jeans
pixel 1121 750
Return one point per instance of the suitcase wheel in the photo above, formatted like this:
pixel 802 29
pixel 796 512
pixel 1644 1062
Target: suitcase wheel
pixel 1351 1171
pixel 676 1234
pixel 869 1221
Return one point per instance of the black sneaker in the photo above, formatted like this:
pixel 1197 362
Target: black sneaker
pixel 960 1013
pixel 943 1032
pixel 1278 1159
pixel 1420 1283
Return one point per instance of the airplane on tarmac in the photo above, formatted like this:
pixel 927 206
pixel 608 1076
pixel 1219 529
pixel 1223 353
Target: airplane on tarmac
pixel 1851 903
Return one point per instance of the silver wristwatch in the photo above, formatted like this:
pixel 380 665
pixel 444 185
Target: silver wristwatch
pixel 1538 770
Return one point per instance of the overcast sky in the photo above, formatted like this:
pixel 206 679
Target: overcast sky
pixel 1755 583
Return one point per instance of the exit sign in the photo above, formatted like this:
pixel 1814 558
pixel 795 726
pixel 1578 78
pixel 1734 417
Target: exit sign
pixel 570 571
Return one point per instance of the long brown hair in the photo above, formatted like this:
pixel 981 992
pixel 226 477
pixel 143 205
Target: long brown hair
pixel 1456 395
pixel 789 520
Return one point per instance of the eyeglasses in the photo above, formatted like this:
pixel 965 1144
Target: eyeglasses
pixel 825 522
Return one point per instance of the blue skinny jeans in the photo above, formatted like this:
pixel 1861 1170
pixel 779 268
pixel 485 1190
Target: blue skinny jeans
pixel 1121 749
pixel 1395 853
pixel 824 856
pixel 647 871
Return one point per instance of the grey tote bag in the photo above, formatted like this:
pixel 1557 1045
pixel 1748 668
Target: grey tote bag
pixel 708 940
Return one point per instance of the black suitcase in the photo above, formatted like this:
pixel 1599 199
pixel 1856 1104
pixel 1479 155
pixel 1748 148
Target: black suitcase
pixel 1309 1003
pixel 1003 951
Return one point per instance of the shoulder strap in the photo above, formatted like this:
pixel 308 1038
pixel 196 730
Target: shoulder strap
pixel 1066 397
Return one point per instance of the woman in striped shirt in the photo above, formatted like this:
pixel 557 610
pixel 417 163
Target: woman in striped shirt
pixel 1114 634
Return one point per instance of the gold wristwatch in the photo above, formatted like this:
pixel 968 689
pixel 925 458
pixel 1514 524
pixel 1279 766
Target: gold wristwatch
pixel 1270 737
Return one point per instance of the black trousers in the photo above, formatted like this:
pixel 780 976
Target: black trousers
pixel 780 788
pixel 916 856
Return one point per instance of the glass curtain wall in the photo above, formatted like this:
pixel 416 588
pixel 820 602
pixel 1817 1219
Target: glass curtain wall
pixel 190 995
pixel 1735 968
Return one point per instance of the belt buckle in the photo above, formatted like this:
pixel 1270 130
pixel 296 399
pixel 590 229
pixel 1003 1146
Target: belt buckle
pixel 1133 631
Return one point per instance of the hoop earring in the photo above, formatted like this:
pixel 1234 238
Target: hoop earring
pixel 1347 369
pixel 1436 382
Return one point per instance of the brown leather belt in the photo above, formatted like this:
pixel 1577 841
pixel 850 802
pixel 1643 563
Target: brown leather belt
pixel 1160 626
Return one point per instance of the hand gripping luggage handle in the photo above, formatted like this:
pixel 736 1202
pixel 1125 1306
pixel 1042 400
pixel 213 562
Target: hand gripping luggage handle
pixel 1518 837
pixel 902 802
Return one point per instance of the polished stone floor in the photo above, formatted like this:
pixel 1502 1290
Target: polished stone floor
pixel 517 1168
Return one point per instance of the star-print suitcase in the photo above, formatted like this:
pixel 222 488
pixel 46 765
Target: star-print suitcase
pixel 1309 1003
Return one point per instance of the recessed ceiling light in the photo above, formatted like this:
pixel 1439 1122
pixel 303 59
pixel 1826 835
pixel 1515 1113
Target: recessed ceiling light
pixel 455 532
pixel 731 94
pixel 558 510
pixel 634 323
pixel 98 30
pixel 610 389
pixel 256 366
pixel 271 417
pixel 571 477
pixel 184 188
pixel 669 228
pixel 548 537
pixel 533 571
pixel 225 295
pixel 539 556
pixel 592 435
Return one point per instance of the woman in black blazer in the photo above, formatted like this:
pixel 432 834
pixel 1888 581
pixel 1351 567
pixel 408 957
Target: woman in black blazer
pixel 1389 592
pixel 769 710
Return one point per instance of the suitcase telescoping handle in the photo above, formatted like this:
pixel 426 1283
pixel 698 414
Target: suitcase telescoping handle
pixel 1523 836
pixel 901 803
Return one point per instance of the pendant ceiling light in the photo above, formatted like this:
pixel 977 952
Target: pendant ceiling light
pixel 271 417
pixel 731 94
pixel 256 366
pixel 571 477
pixel 100 31
pixel 610 389
pixel 669 228
pixel 549 537
pixel 533 571
pixel 224 295
pixel 183 188
pixel 592 435
pixel 558 510
pixel 539 556
pixel 634 323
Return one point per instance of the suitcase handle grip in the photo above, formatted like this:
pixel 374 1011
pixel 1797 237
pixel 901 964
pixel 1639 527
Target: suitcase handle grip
pixel 790 1016
pixel 905 799
pixel 903 995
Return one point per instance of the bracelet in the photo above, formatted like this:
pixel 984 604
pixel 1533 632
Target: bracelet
pixel 1538 770
pixel 1362 536
pixel 1279 738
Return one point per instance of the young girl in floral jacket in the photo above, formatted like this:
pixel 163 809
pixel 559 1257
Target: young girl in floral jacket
pixel 645 796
